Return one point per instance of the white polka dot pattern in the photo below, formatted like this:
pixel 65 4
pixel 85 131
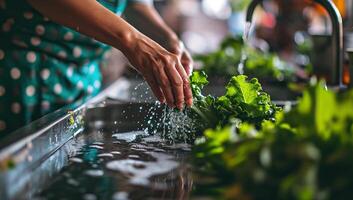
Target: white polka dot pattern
pixel 16 108
pixel 15 73
pixel 90 89
pixel 2 125
pixel 45 73
pixel 40 29
pixel 62 54
pixel 28 15
pixel 69 71
pixel 35 41
pixel 2 90
pixel 70 99
pixel 53 63
pixel 97 84
pixel 6 26
pixel 30 90
pixel 79 85
pixel 45 105
pixel 31 57
pixel 2 54
pixel 68 36
pixel 91 69
pixel 77 52
pixel 57 88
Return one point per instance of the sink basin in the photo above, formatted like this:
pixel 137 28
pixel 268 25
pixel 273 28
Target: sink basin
pixel 111 156
pixel 99 150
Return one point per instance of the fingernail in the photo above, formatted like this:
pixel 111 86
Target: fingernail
pixel 171 105
pixel 180 106
pixel 189 102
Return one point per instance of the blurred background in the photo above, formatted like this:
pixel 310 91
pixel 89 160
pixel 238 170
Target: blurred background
pixel 297 31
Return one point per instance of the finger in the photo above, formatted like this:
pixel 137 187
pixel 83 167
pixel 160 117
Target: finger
pixel 177 49
pixel 176 83
pixel 187 62
pixel 149 77
pixel 164 84
pixel 186 85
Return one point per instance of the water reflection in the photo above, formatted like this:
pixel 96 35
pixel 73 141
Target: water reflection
pixel 127 166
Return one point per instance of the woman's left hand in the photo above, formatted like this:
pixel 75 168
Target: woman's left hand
pixel 177 47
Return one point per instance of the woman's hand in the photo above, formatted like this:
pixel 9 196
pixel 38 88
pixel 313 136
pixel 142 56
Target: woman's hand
pixel 177 47
pixel 164 71
pixel 147 20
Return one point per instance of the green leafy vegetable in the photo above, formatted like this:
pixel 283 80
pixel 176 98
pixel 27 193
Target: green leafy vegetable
pixel 305 154
pixel 225 61
pixel 239 5
pixel 244 100
pixel 247 100
pixel 198 81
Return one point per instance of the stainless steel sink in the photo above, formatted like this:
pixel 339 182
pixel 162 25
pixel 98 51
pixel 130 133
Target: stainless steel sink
pixel 40 168
pixel 41 160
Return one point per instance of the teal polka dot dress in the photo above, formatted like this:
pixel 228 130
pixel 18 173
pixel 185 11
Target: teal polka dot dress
pixel 44 65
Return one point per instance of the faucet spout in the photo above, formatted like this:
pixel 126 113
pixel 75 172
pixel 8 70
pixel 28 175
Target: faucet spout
pixel 337 34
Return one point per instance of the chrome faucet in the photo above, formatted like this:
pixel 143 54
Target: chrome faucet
pixel 337 34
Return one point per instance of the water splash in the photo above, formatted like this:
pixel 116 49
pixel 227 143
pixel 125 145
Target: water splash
pixel 135 93
pixel 179 126
pixel 171 124
pixel 246 32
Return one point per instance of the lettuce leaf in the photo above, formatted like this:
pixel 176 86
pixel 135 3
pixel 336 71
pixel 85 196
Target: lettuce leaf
pixel 305 154
pixel 244 100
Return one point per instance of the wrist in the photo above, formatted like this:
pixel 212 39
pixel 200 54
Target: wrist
pixel 127 39
pixel 174 45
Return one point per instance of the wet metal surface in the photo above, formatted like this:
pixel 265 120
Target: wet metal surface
pixel 108 168
pixel 114 158
pixel 109 156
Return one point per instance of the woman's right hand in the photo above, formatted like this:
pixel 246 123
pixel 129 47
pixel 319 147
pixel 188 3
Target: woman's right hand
pixel 161 69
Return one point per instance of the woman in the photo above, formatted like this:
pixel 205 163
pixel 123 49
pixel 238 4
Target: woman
pixel 49 54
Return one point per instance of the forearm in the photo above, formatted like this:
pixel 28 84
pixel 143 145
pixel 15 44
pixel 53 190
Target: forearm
pixel 147 20
pixel 162 69
pixel 90 18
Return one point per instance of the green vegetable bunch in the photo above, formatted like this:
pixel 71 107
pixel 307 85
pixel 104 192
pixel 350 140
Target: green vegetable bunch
pixel 224 62
pixel 243 101
pixel 239 5
pixel 307 153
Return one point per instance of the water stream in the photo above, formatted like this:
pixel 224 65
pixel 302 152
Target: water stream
pixel 243 56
